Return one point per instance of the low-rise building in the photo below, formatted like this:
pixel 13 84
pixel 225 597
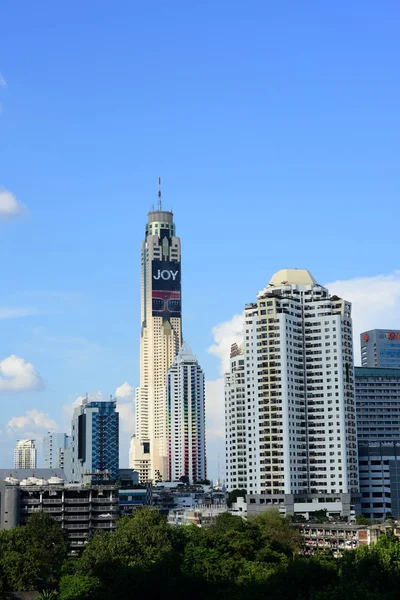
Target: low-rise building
pixel 201 515
pixel 336 505
pixel 80 510
pixel 339 537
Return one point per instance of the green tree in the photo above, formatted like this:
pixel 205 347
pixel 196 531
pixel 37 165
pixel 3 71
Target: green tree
pixel 234 494
pixel 32 555
pixel 80 587
pixel 362 520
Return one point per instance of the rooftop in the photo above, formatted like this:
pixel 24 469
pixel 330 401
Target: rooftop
pixel 376 372
pixel 292 277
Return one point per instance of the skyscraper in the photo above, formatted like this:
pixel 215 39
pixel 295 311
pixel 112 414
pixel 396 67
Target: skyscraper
pixel 186 418
pixel 25 455
pixel 378 433
pixel 160 341
pixel 54 447
pixel 235 421
pixel 380 348
pixel 94 441
pixel 297 388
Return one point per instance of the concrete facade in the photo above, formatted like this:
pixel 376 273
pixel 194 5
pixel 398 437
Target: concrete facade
pixel 186 418
pixel 160 341
pixel 380 348
pixel 299 407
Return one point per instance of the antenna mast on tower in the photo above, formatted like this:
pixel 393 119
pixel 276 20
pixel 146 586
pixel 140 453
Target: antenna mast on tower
pixel 159 194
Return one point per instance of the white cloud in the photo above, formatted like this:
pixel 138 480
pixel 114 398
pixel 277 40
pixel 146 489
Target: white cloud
pixel 3 82
pixel 18 375
pixel 125 395
pixel 32 420
pixel 125 391
pixel 10 207
pixel 225 334
pixel 7 312
pixel 375 303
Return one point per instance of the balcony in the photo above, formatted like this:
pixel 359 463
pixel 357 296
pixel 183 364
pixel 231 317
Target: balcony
pixel 76 500
pixel 52 501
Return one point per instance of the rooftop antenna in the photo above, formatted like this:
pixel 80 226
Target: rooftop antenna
pixel 159 194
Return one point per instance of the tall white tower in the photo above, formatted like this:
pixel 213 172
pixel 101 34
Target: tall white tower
pixel 186 418
pixel 25 455
pixel 235 421
pixel 300 429
pixel 160 341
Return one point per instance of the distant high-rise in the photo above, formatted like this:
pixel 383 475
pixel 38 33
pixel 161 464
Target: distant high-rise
pixel 25 455
pixel 235 421
pixel 378 433
pixel 94 443
pixel 289 413
pixel 380 348
pixel 186 414
pixel 54 447
pixel 160 341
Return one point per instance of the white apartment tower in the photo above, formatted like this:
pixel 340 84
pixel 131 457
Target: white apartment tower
pixel 160 341
pixel 25 455
pixel 299 431
pixel 235 419
pixel 186 418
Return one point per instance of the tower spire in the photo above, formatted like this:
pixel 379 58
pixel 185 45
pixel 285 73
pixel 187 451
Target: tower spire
pixel 159 194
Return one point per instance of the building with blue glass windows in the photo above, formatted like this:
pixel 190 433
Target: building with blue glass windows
pixel 94 446
pixel 378 433
pixel 380 348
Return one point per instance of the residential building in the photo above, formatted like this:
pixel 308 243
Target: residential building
pixel 25 455
pixel 81 511
pixel 378 432
pixel 299 393
pixel 380 348
pixel 339 537
pixel 235 421
pixel 186 418
pixel 160 341
pixel 54 447
pixel 94 446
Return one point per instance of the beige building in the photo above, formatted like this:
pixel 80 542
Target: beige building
pixel 160 341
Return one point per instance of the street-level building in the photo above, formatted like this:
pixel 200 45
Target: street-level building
pixel 81 511
pixel 299 391
pixel 380 348
pixel 160 341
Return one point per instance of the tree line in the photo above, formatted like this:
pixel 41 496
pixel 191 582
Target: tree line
pixel 233 559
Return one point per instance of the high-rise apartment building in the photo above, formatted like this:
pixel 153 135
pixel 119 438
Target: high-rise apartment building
pixel 94 445
pixel 25 455
pixel 160 341
pixel 235 421
pixel 54 447
pixel 297 423
pixel 380 348
pixel 378 432
pixel 186 418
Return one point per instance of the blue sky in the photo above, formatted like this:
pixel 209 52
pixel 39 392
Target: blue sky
pixel 274 126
